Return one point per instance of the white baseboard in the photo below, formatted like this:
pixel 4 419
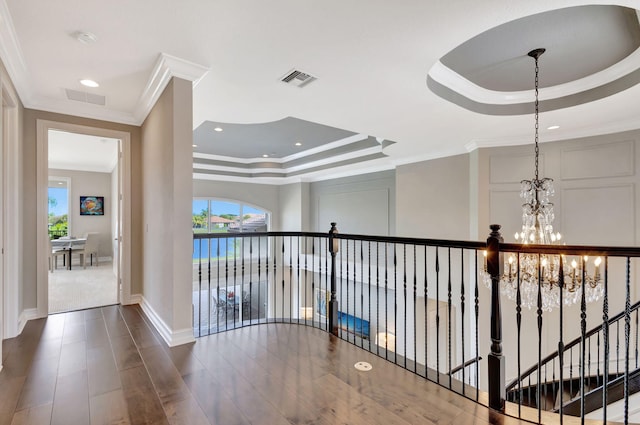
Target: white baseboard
pixel 25 316
pixel 135 299
pixel 171 337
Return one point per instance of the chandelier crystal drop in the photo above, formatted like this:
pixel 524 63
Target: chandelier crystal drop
pixel 541 272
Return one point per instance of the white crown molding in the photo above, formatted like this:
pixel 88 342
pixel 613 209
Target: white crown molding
pixel 307 165
pixel 373 166
pixel 456 82
pixel 326 147
pixel 577 133
pixel 81 109
pixel 166 67
pixel 11 54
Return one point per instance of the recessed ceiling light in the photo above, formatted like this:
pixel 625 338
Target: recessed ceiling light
pixel 553 127
pixel 85 37
pixel 265 156
pixel 217 129
pixel 195 146
pixel 60 183
pixel 89 83
pixel 298 144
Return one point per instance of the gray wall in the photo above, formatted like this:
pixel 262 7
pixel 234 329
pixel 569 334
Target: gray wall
pixel 85 183
pixel 360 204
pixel 167 194
pixel 433 199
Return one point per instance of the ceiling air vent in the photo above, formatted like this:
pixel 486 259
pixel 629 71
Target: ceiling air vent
pixel 297 78
pixel 82 96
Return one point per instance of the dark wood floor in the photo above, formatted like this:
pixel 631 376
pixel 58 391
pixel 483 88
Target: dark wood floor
pixel 107 366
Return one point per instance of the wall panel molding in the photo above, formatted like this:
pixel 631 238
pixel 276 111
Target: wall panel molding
pixel 586 162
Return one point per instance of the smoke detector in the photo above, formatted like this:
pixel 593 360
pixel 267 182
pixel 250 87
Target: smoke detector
pixel 297 78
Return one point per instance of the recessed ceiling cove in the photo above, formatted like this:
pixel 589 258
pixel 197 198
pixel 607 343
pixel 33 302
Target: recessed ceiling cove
pixel 591 52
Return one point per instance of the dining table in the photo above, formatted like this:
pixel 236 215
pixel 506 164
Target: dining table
pixel 68 245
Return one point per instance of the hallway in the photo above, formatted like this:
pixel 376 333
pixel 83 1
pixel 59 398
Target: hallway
pixel 106 365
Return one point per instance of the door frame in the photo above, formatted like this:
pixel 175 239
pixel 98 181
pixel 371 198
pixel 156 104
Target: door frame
pixel 42 173
pixel 11 233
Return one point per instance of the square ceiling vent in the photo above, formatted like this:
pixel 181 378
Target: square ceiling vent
pixel 297 78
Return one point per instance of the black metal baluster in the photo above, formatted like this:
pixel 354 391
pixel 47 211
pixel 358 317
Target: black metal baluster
pixel 404 307
pixel 589 362
pixel 636 338
pixel 437 315
pixel 449 313
pixel 218 285
pixel 539 371
pixel 362 293
pixel 386 324
pixel 605 336
pixel 426 315
pixel 306 280
pixel 275 282
pixel 618 347
pixel 627 333
pixel 282 285
pixel 477 308
pixel 241 295
pixel 598 376
pixel 462 313
pixel 415 308
pixel 250 283
pixel 260 275
pixel 395 299
pixel 327 285
pixel 209 288
pixel 378 295
pixel 290 279
pixel 571 373
pixel 235 277
pixel 369 285
pixel 346 307
pixel 199 286
pixel 546 394
pixel 226 283
pixel 583 331
pixel 561 341
pixel 518 335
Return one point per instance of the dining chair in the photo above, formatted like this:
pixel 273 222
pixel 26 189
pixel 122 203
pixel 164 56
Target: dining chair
pixel 89 249
pixel 54 253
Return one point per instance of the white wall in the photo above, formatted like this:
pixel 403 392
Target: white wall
pixel 87 183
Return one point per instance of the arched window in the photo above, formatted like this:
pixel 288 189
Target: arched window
pixel 218 216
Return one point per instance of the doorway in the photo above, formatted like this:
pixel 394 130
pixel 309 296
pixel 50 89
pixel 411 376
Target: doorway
pixel 98 203
pixel 82 220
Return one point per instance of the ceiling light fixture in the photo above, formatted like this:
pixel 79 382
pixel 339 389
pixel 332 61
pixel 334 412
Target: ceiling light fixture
pixel 89 83
pixel 195 146
pixel 553 127
pixel 85 37
pixel 217 129
pixel 520 281
pixel 298 144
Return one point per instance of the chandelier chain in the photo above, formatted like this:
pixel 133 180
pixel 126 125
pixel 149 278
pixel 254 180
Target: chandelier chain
pixel 537 149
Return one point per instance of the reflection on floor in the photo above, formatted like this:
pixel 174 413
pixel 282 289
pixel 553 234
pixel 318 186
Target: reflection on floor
pixel 82 288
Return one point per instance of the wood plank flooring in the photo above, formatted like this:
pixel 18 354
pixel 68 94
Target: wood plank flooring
pixel 108 366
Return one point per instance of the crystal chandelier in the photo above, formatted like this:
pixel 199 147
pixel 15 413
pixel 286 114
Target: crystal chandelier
pixel 537 228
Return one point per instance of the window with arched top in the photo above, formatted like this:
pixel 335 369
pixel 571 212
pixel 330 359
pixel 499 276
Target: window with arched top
pixel 222 216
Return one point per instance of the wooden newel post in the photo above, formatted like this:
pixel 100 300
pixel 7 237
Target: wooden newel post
pixel 334 246
pixel 495 265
